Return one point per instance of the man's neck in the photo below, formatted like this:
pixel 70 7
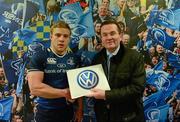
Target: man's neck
pixel 60 54
pixel 113 52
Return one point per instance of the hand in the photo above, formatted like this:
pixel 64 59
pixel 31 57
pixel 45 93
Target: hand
pixel 78 116
pixel 67 94
pixel 79 111
pixel 70 100
pixel 97 93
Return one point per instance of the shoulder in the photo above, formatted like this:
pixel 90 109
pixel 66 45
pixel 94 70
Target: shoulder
pixel 134 56
pixel 132 51
pixel 129 51
pixel 38 58
pixel 127 55
pixel 41 54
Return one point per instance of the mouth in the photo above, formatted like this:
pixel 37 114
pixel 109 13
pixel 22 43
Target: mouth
pixel 60 45
pixel 110 43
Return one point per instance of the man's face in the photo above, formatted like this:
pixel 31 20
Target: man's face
pixel 152 50
pixel 105 2
pixel 125 39
pixel 103 10
pixel 59 40
pixel 159 49
pixel 110 37
pixel 97 28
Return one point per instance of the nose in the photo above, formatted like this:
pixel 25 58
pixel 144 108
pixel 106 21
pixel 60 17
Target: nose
pixel 61 38
pixel 109 36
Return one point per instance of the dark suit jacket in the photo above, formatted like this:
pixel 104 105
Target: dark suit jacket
pixel 127 77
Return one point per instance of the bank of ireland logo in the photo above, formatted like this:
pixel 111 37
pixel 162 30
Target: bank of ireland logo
pixel 87 79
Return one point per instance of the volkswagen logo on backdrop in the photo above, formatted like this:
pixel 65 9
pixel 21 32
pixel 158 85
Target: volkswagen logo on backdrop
pixel 87 79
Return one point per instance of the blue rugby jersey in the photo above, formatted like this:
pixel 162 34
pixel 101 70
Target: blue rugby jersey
pixel 54 68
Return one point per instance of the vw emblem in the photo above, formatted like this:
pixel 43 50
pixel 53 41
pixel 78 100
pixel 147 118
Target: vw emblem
pixel 87 79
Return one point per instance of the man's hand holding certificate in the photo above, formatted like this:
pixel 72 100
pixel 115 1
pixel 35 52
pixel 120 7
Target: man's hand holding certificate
pixel 88 81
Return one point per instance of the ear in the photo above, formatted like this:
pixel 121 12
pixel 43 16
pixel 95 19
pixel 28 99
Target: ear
pixel 50 36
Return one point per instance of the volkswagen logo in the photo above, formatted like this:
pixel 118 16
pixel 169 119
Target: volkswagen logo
pixel 87 79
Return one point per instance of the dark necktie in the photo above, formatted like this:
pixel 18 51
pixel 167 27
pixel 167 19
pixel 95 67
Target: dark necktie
pixel 108 64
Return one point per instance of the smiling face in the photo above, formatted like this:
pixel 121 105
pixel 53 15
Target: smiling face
pixel 159 49
pixel 103 10
pixel 110 37
pixel 126 39
pixel 59 40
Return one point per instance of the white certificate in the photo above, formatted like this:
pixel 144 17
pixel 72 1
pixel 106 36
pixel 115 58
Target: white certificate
pixel 82 80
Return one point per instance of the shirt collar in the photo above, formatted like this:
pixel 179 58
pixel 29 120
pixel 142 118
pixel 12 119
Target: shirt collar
pixel 58 54
pixel 114 53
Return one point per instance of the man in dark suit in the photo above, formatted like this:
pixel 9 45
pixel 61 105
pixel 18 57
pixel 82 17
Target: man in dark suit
pixel 126 76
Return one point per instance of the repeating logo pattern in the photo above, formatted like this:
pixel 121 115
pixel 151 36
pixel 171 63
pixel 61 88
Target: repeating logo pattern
pixel 159 35
pixel 163 82
pixel 16 65
pixel 87 79
pixel 168 17
pixel 72 18
pixel 153 114
pixel 69 16
pixel 34 48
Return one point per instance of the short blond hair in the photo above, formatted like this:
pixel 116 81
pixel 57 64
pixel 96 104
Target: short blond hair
pixel 60 24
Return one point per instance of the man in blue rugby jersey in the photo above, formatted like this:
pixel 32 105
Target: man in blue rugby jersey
pixel 47 77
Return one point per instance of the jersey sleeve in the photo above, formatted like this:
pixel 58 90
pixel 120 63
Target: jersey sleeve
pixel 37 61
